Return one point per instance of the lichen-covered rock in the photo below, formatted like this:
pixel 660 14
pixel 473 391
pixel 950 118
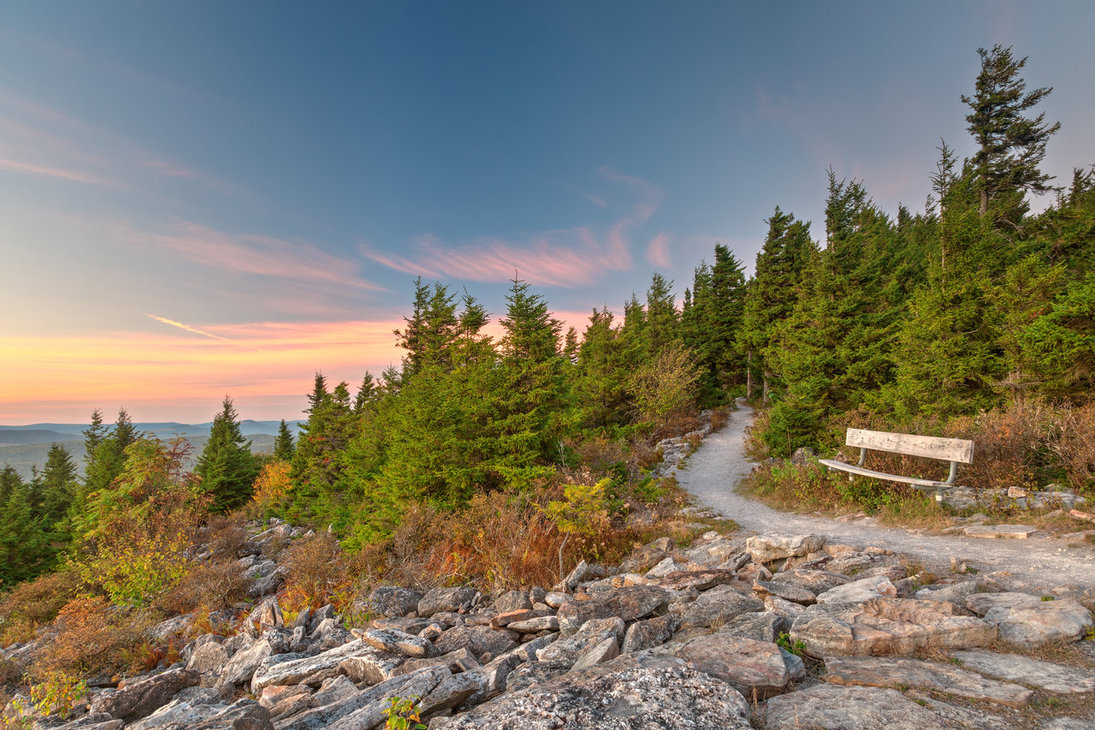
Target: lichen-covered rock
pixel 858 591
pixel 372 667
pixel 849 708
pixel 567 650
pixel 1016 668
pixel 366 708
pixel 512 601
pixel 754 668
pixel 447 600
pixel 391 601
pixel 786 590
pixel 133 701
pixel 718 605
pixel 649 633
pixel 479 640
pixel 816 581
pixel 394 641
pixel 310 670
pixel 624 694
pixel 1029 621
pixel 903 672
pixel 887 626
pixel 762 626
pixel 628 604
pixel 766 548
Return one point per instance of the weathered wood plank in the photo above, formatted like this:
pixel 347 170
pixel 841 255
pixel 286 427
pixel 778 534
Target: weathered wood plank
pixel 860 471
pixel 933 447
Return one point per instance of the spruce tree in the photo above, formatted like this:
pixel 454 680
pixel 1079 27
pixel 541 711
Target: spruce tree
pixel 59 486
pixel 1010 145
pixel 662 319
pixel 23 546
pixel 283 443
pixel 226 466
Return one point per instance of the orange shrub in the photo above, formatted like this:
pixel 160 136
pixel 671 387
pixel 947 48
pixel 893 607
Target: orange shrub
pixel 1073 444
pixel 272 486
pixel 317 570
pixel 213 586
pixel 90 637
pixel 36 602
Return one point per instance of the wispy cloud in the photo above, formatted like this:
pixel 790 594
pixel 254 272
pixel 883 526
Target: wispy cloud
pixel 568 257
pixel 43 170
pixel 256 254
pixel 195 330
pixel 657 251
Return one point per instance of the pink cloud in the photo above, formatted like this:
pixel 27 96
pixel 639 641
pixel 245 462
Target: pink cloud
pixel 567 258
pixel 72 175
pixel 657 252
pixel 255 254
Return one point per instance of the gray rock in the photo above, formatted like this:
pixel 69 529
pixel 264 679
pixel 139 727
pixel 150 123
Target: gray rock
pixel 448 600
pixel 512 601
pixel 527 651
pixel 492 677
pixel 406 625
pixel 848 708
pixel 267 585
pixel 973 717
pixel 141 698
pixel 649 633
pixel 243 714
pixel 334 690
pixel 643 559
pixel 394 641
pixel 718 605
pixel 900 672
pixel 534 673
pixel 786 590
pixel 479 640
pixel 700 580
pixel 388 601
pixel 754 668
pixel 208 659
pixel 366 708
pixel 567 650
pixel 622 695
pixel 449 693
pixel 1028 621
pixel 556 599
pixel 956 593
pixel 582 572
pixel 796 668
pixel 629 604
pixel 859 591
pixel 243 663
pixel 458 661
pixel 816 581
pixel 884 626
pixel 1016 668
pixel 766 548
pixel 266 615
pixel 762 626
pixel 598 654
pixel 535 625
pixel 310 670
pixel 372 667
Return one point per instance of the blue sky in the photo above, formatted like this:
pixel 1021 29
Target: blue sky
pixel 200 198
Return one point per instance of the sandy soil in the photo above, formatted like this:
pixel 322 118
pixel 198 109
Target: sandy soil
pixel 712 473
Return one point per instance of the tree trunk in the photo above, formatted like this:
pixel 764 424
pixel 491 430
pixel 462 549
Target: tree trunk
pixel 984 202
pixel 749 376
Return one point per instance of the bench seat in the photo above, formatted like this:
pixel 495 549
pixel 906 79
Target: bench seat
pixel 863 472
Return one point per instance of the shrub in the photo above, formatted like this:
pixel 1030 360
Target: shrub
pixel 90 637
pixel 34 603
pixel 316 570
pixel 212 586
pixel 226 536
pixel 1073 443
pixel 57 693
pixel 272 487
pixel 134 568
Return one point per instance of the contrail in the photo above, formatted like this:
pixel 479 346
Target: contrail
pixel 197 331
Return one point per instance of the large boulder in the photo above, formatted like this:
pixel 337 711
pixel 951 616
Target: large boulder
pixel 858 591
pixel 447 600
pixel 593 632
pixel 394 641
pixel 389 601
pixel 479 640
pixel 766 548
pixel 718 605
pixel 623 694
pixel 1029 621
pixel 141 698
pixel 887 626
pixel 310 670
pixel 754 668
pixel 366 708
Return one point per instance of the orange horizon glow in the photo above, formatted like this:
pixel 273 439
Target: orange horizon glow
pixel 182 372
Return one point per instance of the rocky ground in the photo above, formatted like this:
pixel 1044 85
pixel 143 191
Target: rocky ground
pixel 767 631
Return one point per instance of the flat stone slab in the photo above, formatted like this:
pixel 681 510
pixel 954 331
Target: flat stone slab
pixel 624 694
pixel 858 591
pixel 849 708
pixel 749 666
pixel 765 548
pixel 1014 532
pixel 1028 621
pixel 887 626
pixel 1016 668
pixel 899 672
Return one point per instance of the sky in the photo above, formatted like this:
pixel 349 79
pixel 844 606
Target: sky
pixel 210 197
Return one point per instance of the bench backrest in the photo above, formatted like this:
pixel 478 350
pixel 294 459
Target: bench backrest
pixel 933 447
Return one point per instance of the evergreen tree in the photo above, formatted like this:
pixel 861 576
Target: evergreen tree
pixel 283 443
pixel 1010 145
pixel 226 466
pixel 107 458
pixel 601 386
pixel 23 547
pixel 662 319
pixel 59 486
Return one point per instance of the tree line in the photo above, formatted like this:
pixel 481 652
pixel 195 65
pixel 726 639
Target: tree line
pixel 964 306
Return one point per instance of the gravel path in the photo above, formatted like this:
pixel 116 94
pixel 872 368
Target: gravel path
pixel 712 473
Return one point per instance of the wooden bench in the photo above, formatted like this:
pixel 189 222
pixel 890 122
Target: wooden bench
pixel 956 451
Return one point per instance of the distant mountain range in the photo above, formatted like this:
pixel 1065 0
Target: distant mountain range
pixel 25 447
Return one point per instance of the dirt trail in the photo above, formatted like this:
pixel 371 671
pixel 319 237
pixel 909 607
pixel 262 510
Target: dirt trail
pixel 712 473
